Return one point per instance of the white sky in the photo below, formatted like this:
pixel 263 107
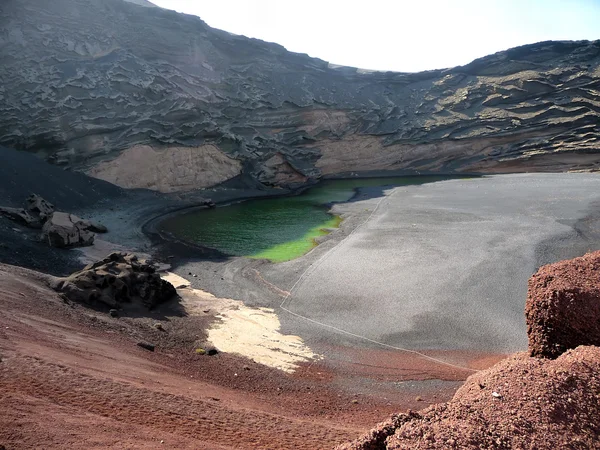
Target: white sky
pixel 401 35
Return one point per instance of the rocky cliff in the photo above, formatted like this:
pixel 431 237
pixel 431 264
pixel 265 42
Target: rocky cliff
pixel 145 97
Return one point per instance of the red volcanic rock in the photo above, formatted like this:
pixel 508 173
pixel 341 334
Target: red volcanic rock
pixel 521 402
pixel 563 306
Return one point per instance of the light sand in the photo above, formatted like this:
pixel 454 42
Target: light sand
pixel 250 332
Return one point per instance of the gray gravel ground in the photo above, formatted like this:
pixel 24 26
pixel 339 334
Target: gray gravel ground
pixel 445 265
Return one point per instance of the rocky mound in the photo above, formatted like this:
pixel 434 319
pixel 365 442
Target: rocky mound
pixel 563 306
pixel 521 402
pixel 67 230
pixel 85 85
pixel 117 280
pixel 36 212
pixel 543 402
pixel 59 229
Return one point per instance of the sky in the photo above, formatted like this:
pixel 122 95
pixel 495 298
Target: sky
pixel 399 35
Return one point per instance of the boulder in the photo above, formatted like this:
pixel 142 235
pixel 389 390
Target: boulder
pixel 96 227
pixel 39 207
pixel 21 216
pixel 36 212
pixel 66 230
pixel 563 306
pixel 119 279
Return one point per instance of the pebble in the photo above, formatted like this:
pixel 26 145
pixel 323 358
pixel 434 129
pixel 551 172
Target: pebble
pixel 146 346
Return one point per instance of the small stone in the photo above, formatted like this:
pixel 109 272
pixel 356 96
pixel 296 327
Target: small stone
pixel 146 346
pixel 195 276
pixel 496 395
pixel 419 398
pixel 246 367
pixel 200 351
pixel 355 401
pixel 113 313
pixel 159 326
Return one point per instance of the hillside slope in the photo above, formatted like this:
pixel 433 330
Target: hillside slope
pixel 146 97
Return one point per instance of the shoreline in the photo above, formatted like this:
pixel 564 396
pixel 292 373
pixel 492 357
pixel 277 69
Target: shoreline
pixel 151 226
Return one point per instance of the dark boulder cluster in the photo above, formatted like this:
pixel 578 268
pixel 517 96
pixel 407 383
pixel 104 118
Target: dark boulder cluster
pixel 59 229
pixel 117 280
pixel 36 212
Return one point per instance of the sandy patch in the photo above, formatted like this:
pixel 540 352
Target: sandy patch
pixel 168 169
pixel 250 332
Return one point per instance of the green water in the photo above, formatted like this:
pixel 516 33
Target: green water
pixel 278 229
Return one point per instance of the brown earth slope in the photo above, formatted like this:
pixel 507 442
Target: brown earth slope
pixel 73 377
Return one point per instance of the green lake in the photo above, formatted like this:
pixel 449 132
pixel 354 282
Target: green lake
pixel 277 228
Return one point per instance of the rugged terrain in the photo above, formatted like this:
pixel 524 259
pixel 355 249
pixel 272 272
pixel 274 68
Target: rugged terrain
pixel 112 87
pixel 73 377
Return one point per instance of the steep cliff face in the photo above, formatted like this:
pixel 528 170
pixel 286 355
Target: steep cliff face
pixel 89 83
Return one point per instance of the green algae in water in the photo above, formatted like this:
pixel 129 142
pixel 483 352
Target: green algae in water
pixel 278 229
pixel 293 249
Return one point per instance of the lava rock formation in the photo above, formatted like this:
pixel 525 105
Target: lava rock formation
pixel 111 87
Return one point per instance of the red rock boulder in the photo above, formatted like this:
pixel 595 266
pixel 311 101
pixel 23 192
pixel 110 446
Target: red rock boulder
pixel 563 306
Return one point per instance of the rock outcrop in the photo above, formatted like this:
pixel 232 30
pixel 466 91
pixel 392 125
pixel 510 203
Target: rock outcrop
pixel 117 280
pixel 66 230
pixel 563 306
pixel 39 207
pixel 36 212
pixel 21 216
pixel 115 82
pixel 521 402
pixel 548 400
pixel 59 229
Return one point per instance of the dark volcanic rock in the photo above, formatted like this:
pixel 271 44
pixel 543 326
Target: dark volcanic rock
pixel 21 216
pixel 34 215
pixel 66 230
pixel 115 281
pixel 59 229
pixel 563 306
pixel 39 207
pixel 145 97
